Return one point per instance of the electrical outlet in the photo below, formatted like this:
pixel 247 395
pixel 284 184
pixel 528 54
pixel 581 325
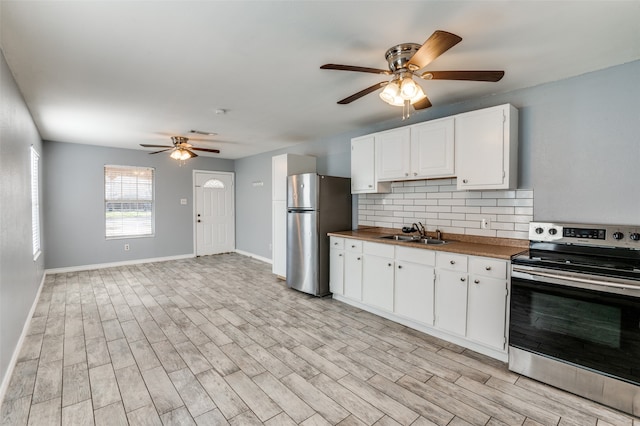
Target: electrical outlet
pixel 126 247
pixel 485 223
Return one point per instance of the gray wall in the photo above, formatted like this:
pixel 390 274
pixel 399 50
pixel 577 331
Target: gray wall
pixel 578 150
pixel 20 275
pixel 74 204
pixel 253 204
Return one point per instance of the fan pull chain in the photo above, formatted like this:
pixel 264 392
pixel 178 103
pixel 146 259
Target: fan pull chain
pixel 406 109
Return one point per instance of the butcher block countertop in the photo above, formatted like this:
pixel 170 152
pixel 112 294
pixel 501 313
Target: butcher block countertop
pixel 500 248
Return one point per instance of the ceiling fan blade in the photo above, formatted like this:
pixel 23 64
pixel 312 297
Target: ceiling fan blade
pixel 162 150
pixel 354 68
pixel 155 146
pixel 216 151
pixel 436 45
pixel 422 104
pixel 464 75
pixel 361 93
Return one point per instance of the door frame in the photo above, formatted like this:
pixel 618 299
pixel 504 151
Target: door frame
pixel 193 208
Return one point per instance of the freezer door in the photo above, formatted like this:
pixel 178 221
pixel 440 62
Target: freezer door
pixel 302 251
pixel 302 191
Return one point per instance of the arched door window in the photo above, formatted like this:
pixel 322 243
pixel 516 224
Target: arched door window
pixel 214 184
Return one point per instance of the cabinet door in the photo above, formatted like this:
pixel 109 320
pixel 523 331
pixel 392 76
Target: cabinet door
pixel 377 282
pixel 363 164
pixel 353 275
pixel 392 154
pixel 451 301
pixel 336 271
pixel 486 313
pixel 480 148
pixel 414 286
pixel 432 149
pixel 279 238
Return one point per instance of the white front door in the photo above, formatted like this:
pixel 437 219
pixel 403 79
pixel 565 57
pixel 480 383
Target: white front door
pixel 215 221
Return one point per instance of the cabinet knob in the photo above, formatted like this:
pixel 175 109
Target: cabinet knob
pixel 340 255
pixel 406 174
pixel 358 258
pixel 399 266
pixel 370 186
pixel 353 246
pixel 388 264
pixel 465 181
pixel 476 281
pixel 415 174
pixel 453 262
pixel 488 268
pixel 463 279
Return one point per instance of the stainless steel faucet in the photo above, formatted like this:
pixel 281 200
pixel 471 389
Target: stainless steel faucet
pixel 422 230
pixel 438 234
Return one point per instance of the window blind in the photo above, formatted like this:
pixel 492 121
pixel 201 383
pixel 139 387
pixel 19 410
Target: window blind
pixel 129 201
pixel 35 202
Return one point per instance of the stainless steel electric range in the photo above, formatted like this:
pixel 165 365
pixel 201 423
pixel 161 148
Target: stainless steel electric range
pixel 575 311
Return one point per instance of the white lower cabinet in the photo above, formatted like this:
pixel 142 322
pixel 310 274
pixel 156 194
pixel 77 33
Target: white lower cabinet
pixel 451 301
pixel 353 269
pixel 336 262
pixel 414 285
pixel 487 302
pixel 453 296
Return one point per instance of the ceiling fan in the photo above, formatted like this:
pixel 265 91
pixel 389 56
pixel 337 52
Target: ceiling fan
pixel 404 61
pixel 181 149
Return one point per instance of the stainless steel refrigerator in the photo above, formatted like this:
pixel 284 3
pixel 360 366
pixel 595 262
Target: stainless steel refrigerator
pixel 316 205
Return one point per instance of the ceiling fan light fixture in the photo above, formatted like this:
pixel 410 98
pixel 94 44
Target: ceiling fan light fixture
pixel 408 88
pixel 390 92
pixel 176 154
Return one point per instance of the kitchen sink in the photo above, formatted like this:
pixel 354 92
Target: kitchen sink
pixel 415 239
pixel 401 237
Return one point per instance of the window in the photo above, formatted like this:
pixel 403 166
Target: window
pixel 35 202
pixel 214 183
pixel 128 201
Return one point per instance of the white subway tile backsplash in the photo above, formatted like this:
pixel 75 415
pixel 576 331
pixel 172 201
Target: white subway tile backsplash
pixel 438 204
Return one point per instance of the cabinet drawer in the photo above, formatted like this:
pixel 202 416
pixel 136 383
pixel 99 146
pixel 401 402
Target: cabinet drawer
pixel 421 256
pixel 353 245
pixel 336 242
pixel 453 262
pixel 488 267
pixel 378 249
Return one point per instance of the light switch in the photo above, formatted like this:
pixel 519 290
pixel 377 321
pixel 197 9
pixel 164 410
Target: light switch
pixel 183 201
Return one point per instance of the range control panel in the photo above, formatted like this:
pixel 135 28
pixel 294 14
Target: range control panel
pixel 585 234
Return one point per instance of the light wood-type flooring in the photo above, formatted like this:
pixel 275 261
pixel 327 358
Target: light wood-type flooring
pixel 218 339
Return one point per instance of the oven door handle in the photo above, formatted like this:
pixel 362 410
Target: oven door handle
pixel 578 280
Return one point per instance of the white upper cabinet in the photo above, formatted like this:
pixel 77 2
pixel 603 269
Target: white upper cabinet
pixel 393 150
pixel 432 149
pixel 363 167
pixel 420 151
pixel 487 148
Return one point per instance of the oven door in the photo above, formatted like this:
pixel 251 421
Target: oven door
pixel 586 321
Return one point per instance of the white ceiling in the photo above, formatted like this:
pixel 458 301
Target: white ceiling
pixel 121 73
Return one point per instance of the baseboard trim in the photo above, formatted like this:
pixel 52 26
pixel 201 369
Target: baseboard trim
pixel 255 256
pixel 115 264
pixel 16 352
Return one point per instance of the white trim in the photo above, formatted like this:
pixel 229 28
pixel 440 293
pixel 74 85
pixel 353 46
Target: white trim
pixel 114 264
pixel 16 352
pixel 255 256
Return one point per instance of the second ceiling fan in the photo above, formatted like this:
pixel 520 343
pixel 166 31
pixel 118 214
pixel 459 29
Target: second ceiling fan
pixel 404 61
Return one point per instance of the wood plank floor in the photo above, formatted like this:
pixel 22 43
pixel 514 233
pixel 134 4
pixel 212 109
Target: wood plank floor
pixel 218 340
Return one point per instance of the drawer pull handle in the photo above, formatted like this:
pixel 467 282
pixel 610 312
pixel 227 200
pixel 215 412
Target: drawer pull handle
pixel 463 279
pixel 453 262
pixel 488 268
pixel 477 281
